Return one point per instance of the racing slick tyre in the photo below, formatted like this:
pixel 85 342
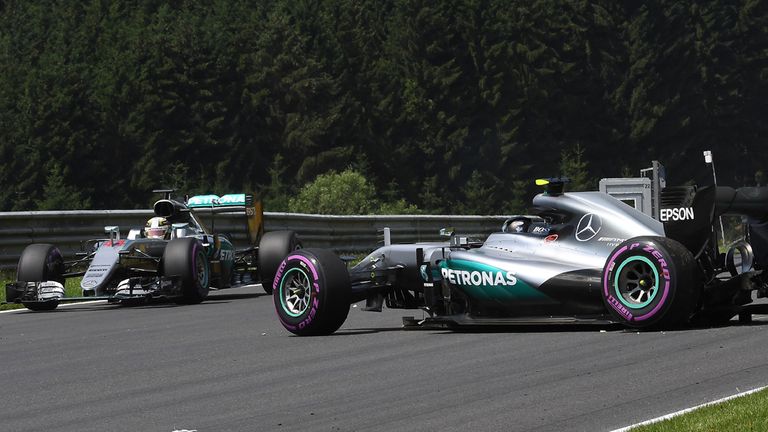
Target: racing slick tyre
pixel 186 258
pixel 273 247
pixel 650 282
pixel 311 292
pixel 38 263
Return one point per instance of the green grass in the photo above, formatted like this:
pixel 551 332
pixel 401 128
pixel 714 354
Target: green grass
pixel 71 288
pixel 6 277
pixel 742 414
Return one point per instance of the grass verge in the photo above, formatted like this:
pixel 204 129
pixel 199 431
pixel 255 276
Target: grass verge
pixel 742 414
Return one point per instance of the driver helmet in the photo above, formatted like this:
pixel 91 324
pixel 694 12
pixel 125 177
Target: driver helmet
pixel 157 227
pixel 517 226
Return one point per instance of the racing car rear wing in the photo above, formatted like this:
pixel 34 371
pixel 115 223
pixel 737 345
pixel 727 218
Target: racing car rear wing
pixel 176 211
pixel 688 212
pixel 254 212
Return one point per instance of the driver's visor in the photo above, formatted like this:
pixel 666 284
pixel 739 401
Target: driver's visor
pixel 155 232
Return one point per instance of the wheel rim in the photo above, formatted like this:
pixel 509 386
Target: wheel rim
pixel 636 282
pixel 295 292
pixel 201 270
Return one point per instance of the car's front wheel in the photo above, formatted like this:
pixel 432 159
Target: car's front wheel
pixel 39 263
pixel 186 259
pixel 650 282
pixel 312 292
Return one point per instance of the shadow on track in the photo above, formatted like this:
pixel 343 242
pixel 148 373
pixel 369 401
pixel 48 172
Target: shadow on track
pixel 552 328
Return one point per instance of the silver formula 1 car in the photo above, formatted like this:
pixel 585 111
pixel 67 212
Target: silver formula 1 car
pixel 175 256
pixel 582 257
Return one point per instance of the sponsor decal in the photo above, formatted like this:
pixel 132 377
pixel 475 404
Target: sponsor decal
pixel 201 200
pixel 588 227
pixel 313 310
pixel 485 282
pixel 87 283
pixel 306 266
pixel 97 270
pixel 676 214
pixel 540 230
pixel 227 255
pixel 215 200
pixel 479 278
pixel 550 238
pixel 660 259
pixel 620 308
pixel 611 241
pixel 616 304
pixel 232 199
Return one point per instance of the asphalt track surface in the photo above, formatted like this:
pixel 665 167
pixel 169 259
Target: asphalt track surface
pixel 228 365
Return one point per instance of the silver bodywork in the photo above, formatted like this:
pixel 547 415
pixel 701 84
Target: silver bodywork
pixel 580 231
pixel 537 256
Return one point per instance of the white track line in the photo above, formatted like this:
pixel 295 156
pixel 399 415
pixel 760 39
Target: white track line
pixel 61 305
pixel 687 410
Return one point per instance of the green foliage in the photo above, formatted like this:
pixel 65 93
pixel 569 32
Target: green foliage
pixel 574 166
pixel 342 193
pixel 58 195
pixel 345 193
pixel 275 194
pixel 480 195
pixel 463 103
pixel 398 207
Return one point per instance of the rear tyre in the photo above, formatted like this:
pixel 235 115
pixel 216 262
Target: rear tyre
pixel 38 263
pixel 651 282
pixel 312 292
pixel 273 247
pixel 186 258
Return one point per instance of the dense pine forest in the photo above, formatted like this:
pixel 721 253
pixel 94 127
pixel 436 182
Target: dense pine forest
pixel 448 106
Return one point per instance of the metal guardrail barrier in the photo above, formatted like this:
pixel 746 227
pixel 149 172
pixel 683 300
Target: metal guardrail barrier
pixel 67 229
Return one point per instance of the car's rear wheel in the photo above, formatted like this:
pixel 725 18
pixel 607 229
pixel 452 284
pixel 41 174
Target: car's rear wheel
pixel 38 263
pixel 186 259
pixel 650 282
pixel 312 292
pixel 273 247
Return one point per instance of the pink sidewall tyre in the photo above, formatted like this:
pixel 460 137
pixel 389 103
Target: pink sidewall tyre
pixel 651 282
pixel 311 292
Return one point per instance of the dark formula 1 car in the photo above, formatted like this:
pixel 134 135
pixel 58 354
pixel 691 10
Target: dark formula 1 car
pixel 581 257
pixel 175 256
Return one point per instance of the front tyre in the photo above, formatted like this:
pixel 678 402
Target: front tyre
pixel 39 263
pixel 311 292
pixel 651 282
pixel 186 259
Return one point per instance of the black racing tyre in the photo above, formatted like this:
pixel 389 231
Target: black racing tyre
pixel 38 263
pixel 312 292
pixel 651 282
pixel 273 247
pixel 187 259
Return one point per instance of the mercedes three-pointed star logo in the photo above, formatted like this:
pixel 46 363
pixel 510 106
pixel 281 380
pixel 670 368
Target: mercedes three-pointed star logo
pixel 588 227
